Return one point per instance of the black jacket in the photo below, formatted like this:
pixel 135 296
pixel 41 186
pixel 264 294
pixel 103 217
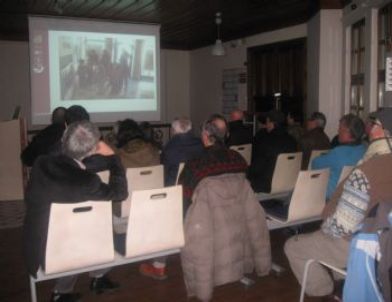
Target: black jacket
pixel 181 148
pixel 239 134
pixel 48 141
pixel 58 178
pixel 266 148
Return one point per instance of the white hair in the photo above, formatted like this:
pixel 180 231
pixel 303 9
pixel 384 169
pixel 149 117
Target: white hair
pixel 181 125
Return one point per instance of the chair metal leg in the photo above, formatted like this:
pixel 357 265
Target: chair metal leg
pixel 304 279
pixel 33 290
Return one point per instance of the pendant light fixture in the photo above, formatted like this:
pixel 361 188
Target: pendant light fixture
pixel 218 49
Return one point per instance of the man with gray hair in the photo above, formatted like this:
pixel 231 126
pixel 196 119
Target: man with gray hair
pixel 216 158
pixel 182 147
pixel 64 178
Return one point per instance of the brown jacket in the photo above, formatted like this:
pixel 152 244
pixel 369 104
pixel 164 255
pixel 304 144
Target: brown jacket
pixel 226 235
pixel 378 171
pixel 139 153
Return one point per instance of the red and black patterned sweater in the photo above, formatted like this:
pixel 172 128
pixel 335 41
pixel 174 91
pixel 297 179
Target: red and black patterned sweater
pixel 215 160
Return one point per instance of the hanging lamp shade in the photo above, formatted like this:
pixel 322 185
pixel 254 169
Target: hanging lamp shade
pixel 218 49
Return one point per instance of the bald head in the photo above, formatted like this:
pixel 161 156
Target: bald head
pixel 236 115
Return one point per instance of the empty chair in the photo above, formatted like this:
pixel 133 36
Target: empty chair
pixel 79 235
pixel 346 170
pixel 285 175
pixel 244 150
pixel 314 154
pixel 306 202
pixel 139 179
pixel 155 222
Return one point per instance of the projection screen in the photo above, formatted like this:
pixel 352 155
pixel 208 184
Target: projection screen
pixel 110 68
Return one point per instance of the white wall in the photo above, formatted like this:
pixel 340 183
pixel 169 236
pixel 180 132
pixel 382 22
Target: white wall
pixel 14 78
pixel 175 79
pixel 206 70
pixel 15 81
pixel 324 65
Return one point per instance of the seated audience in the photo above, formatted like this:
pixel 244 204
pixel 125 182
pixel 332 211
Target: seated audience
pixel 226 235
pixel 352 201
pixel 348 153
pixel 315 137
pixel 216 159
pixel 294 127
pixel 266 148
pixel 65 178
pixel 76 113
pixel 150 135
pixel 239 134
pixel 181 147
pixel 133 148
pixel 46 141
pixel 378 144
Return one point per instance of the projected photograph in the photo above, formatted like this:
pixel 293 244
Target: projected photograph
pixel 101 66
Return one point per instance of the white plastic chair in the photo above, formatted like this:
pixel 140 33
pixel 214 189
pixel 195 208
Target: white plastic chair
pixel 307 200
pixel 314 154
pixel 244 150
pixel 155 221
pixel 139 179
pixel 306 271
pixel 180 168
pixel 287 167
pixel 79 235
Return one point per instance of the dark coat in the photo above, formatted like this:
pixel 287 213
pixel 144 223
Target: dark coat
pixel 48 141
pixel 58 178
pixel 181 148
pixel 315 139
pixel 239 134
pixel 266 148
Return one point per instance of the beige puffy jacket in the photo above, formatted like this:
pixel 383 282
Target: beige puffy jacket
pixel 226 235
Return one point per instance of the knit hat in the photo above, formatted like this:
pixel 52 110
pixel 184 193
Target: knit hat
pixel 384 116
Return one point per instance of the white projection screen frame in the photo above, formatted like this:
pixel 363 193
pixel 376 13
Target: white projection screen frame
pixel 110 68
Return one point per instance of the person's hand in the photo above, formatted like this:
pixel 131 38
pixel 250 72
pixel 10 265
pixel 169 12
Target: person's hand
pixel 104 149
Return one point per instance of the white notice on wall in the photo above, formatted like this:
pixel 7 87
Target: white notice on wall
pixel 388 74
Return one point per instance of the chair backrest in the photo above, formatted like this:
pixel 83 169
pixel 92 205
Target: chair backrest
pixel 79 235
pixel 314 154
pixel 138 179
pixel 155 221
pixel 346 170
pixel 145 178
pixel 180 168
pixel 286 171
pixel 244 150
pixel 308 199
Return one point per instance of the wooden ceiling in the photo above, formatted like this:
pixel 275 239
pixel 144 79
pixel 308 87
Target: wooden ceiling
pixel 185 24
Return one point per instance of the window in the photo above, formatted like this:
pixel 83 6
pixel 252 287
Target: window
pixel 384 46
pixel 357 67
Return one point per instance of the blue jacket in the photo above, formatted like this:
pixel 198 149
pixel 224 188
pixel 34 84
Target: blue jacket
pixel 181 148
pixel 335 160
